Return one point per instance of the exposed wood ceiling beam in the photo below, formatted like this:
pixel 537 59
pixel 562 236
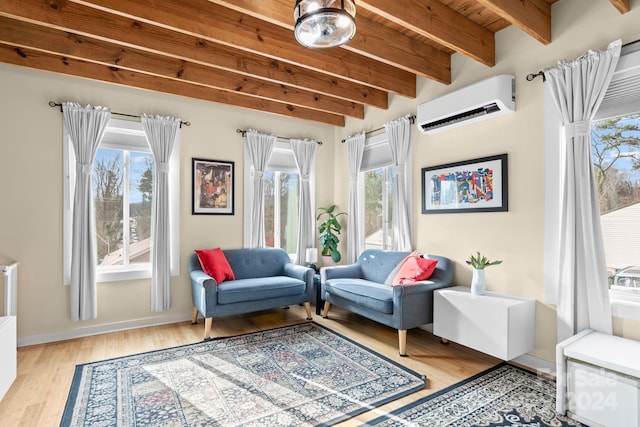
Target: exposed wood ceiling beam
pixel 433 20
pixel 243 52
pixel 45 61
pixel 372 40
pixel 222 25
pixel 79 19
pixel 531 16
pixel 623 6
pixel 81 47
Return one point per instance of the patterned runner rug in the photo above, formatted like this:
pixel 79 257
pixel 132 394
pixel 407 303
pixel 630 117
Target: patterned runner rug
pixel 299 375
pixel 504 395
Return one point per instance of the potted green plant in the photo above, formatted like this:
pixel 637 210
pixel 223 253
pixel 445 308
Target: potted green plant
pixel 479 263
pixel 329 228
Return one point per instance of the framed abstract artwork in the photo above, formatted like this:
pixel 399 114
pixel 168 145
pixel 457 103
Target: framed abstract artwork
pixel 213 187
pixel 477 185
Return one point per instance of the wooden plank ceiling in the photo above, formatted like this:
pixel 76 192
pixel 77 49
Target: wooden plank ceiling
pixel 243 52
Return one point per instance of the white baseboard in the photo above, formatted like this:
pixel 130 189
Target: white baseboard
pixel 101 329
pixel 541 366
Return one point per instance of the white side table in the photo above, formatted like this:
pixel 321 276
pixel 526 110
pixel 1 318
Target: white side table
pixel 497 324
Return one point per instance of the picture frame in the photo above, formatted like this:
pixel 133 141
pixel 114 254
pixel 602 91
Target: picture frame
pixel 477 185
pixel 213 187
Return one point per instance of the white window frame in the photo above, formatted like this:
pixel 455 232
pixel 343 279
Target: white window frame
pixel 135 140
pixel 377 154
pixel 282 160
pixel 624 305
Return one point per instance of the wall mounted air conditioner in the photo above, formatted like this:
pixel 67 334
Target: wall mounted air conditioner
pixel 488 98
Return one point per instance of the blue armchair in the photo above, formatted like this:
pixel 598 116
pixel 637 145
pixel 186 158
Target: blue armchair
pixel 265 278
pixel 365 288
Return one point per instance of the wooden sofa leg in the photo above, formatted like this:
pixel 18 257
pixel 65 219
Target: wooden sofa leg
pixel 307 306
pixel 325 312
pixel 194 319
pixel 402 340
pixel 207 327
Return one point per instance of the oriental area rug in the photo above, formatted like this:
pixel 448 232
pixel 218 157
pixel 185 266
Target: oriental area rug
pixel 504 395
pixel 302 375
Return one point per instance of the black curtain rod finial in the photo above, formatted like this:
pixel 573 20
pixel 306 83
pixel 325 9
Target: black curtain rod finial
pixel 532 76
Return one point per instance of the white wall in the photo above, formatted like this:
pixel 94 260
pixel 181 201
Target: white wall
pixel 516 236
pixel 31 204
pixel 31 159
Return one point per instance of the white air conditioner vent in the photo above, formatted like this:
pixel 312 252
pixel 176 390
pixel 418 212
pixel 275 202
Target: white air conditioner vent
pixel 489 98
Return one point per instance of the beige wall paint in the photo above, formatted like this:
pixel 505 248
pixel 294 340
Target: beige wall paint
pixel 31 175
pixel 31 179
pixel 516 237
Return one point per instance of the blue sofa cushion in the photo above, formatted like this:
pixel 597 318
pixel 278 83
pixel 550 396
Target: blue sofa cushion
pixel 243 290
pixel 372 295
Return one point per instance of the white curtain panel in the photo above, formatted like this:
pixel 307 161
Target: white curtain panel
pixel 399 135
pixel 86 127
pixel 259 147
pixel 161 134
pixel 577 88
pixel 355 230
pixel 304 152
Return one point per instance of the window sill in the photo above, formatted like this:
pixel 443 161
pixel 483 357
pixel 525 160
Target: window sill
pixel 626 306
pixel 143 272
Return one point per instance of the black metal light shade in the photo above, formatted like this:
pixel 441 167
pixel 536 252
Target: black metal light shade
pixel 322 24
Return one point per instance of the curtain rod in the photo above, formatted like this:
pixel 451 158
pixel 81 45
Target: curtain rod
pixel 244 132
pixel 57 104
pixel 628 48
pixel 412 120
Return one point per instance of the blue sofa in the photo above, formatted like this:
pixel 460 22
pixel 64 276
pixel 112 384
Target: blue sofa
pixel 365 288
pixel 265 278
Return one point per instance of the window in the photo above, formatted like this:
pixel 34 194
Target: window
pixel 378 208
pixel 281 200
pixel 376 190
pixel 615 145
pixel 281 211
pixel 122 192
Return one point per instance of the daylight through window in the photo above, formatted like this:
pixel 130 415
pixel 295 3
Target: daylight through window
pixel 615 150
pixel 122 192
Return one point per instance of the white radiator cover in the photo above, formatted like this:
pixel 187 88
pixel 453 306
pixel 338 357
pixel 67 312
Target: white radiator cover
pixel 9 270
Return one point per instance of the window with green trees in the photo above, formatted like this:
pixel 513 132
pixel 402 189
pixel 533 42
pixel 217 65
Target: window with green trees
pixel 615 151
pixel 378 208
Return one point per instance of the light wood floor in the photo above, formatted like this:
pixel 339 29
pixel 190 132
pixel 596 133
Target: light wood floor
pixel 38 395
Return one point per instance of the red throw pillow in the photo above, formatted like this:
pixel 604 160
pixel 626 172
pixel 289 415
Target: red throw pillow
pixel 413 269
pixel 215 264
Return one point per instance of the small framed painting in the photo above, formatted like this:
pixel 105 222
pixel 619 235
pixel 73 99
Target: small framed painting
pixel 213 187
pixel 478 185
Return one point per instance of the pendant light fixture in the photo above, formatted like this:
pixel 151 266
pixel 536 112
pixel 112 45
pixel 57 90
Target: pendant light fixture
pixel 321 24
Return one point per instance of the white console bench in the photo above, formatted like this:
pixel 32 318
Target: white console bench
pixel 598 379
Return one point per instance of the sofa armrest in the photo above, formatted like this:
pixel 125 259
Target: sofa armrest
pixel 203 279
pixel 302 273
pixel 352 271
pixel 297 271
pixel 203 292
pixel 417 288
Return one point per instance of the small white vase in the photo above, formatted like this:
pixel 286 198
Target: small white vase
pixel 478 286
